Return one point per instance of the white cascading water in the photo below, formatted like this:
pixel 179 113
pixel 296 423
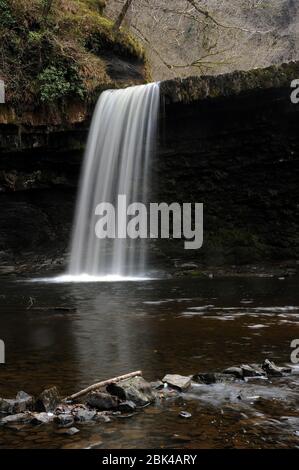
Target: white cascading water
pixel 117 161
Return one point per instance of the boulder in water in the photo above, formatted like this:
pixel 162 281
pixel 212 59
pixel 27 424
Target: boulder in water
pixel 272 369
pixel 127 407
pixel 84 415
pixel 102 401
pixel 20 418
pixel 178 382
pixel 42 418
pixel 23 402
pixel 211 378
pixel 252 370
pixel 135 389
pixel 64 420
pixel 48 400
pixel 68 431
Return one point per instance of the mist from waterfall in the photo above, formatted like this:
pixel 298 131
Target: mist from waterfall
pixel 117 162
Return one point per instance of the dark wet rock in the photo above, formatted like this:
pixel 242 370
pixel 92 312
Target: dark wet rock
pixel 135 389
pixel 7 406
pixel 185 414
pixel 157 385
pixel 127 407
pixel 64 420
pixel 103 417
pixel 64 408
pixel 23 402
pixel 48 400
pixel 168 392
pixel 102 401
pixel 213 378
pixel 84 416
pixel 68 432
pixel 252 370
pixel 235 371
pixel 272 369
pixel 178 382
pixel 20 418
pixel 42 418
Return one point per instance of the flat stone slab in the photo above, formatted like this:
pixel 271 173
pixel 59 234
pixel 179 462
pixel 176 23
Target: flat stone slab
pixel 177 381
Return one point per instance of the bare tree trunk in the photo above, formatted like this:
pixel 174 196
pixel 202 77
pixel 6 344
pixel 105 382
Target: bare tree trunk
pixel 122 15
pixel 47 7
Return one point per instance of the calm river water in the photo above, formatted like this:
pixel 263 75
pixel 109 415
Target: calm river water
pixel 72 335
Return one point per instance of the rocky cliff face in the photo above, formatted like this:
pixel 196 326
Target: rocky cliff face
pixel 230 142
pixel 54 67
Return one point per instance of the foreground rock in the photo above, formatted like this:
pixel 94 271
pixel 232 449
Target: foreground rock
pixel 213 378
pixel 121 396
pixel 178 382
pixel 136 390
pixel 102 401
pixel 48 400
pixel 272 369
pixel 23 402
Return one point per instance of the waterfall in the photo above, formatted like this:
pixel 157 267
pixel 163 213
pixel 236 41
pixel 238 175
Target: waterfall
pixel 117 162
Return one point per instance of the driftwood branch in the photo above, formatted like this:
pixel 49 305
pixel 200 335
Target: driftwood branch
pixel 96 386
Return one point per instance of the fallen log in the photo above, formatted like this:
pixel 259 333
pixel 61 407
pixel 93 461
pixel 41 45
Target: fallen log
pixel 98 385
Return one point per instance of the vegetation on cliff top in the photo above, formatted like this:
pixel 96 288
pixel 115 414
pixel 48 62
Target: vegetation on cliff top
pixel 54 49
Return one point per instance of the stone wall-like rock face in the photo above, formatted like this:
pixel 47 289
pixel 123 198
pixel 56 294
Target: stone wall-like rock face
pixel 239 156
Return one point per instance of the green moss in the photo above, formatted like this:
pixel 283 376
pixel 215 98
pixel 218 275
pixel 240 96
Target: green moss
pixel 6 18
pixel 56 84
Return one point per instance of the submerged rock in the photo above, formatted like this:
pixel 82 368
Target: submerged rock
pixel 213 378
pixel 7 406
pixel 42 418
pixel 135 389
pixel 21 418
pixel 235 371
pixel 127 407
pixel 23 402
pixel 64 420
pixel 252 370
pixel 102 401
pixel 84 416
pixel 157 385
pixel 48 400
pixel 178 382
pixel 68 432
pixel 103 417
pixel 246 371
